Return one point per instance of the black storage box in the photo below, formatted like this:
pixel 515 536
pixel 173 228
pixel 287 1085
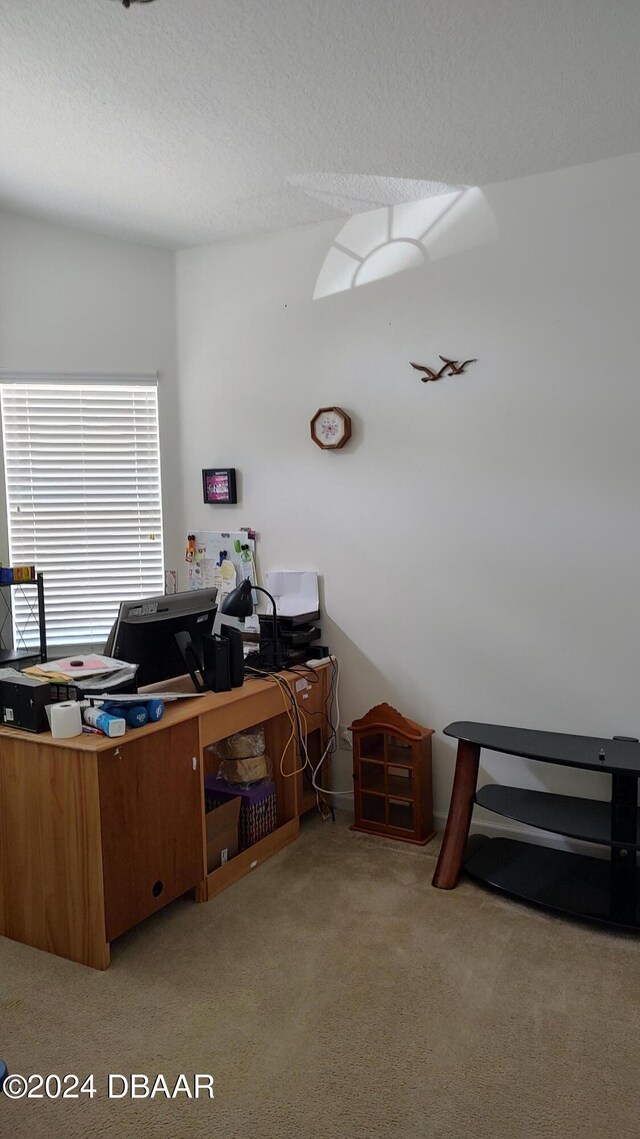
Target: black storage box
pixel 23 704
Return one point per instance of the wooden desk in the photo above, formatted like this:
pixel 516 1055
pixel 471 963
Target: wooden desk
pixel 97 833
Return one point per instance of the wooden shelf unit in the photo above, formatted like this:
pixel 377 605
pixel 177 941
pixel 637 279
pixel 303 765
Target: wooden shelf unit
pixel 17 656
pixel 392 776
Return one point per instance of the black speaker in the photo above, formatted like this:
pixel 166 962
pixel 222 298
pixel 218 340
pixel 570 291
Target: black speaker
pixel 216 662
pixel 233 638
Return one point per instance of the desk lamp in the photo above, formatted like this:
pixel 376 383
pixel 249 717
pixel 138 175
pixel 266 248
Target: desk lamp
pixel 239 603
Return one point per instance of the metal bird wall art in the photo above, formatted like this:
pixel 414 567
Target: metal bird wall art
pixel 449 368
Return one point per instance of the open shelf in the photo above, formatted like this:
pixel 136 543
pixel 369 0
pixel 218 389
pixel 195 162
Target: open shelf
pixel 572 884
pixel 587 819
pixel 13 656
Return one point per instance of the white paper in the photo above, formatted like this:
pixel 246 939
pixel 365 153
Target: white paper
pixel 81 665
pixel 142 697
pixel 295 591
pixel 108 679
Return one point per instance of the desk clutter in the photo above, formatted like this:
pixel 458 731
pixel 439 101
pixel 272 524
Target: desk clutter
pixel 37 705
pixel 287 632
pixel 241 795
pixel 290 632
pixel 83 693
pixel 91 673
pixel 68 718
pixel 298 639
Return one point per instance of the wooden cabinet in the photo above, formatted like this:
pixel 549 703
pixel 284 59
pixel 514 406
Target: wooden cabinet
pixel 50 864
pixel 151 823
pixel 392 776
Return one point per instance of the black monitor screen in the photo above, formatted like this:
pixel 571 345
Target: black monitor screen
pixel 148 638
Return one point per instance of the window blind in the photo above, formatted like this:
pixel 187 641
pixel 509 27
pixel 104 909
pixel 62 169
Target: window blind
pixel 82 477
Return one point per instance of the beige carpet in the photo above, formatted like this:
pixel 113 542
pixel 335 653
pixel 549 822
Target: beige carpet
pixel 334 993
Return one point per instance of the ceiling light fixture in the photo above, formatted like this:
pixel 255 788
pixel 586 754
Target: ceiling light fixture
pixel 128 3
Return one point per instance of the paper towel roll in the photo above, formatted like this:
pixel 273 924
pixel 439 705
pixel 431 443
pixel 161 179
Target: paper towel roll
pixel 66 720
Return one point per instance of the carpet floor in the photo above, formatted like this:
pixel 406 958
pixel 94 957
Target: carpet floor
pixel 334 993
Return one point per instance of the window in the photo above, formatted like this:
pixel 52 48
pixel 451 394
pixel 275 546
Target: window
pixel 82 477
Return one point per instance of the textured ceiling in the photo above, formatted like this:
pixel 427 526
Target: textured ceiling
pixel 186 121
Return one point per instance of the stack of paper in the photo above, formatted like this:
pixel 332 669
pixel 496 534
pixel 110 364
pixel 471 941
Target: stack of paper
pixel 85 670
pixel 295 592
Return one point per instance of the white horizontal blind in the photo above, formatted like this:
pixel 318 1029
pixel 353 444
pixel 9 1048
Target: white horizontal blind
pixel 82 471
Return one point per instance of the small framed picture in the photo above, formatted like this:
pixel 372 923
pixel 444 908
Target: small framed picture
pixel 219 485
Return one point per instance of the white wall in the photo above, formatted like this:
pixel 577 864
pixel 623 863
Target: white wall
pixel 479 538
pixel 71 301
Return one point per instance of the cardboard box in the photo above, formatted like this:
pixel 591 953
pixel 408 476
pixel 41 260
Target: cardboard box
pixel 222 833
pixel 251 770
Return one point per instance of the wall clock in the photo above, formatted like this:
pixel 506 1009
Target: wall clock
pixel 330 428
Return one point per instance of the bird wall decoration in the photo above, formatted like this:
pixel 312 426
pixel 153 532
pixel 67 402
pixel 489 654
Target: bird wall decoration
pixel 449 368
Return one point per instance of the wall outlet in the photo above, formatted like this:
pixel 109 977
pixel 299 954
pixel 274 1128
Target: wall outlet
pixel 345 738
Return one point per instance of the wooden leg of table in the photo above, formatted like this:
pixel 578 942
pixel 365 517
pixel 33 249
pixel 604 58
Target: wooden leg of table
pixel 459 818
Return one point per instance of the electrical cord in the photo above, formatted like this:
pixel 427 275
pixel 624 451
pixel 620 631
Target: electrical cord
pixel 325 809
pixel 288 774
pixel 293 713
pixel 304 670
pixel 333 694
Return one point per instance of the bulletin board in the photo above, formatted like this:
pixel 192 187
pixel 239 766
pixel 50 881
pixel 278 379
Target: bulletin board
pixel 221 559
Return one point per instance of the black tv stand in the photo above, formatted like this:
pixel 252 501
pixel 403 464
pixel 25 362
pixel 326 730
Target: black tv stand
pixel 578 885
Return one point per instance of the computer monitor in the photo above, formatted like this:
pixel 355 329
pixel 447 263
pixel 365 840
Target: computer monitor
pixel 144 632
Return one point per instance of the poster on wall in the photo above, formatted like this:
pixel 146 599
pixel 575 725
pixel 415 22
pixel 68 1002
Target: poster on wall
pixel 219 485
pixel 220 559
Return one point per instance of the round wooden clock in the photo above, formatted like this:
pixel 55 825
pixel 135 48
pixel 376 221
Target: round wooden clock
pixel 330 428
